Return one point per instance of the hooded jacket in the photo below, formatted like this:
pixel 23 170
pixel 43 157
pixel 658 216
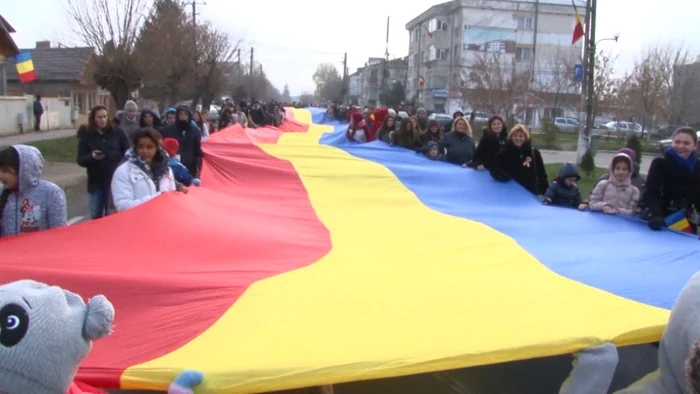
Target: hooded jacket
pixel 37 204
pixel 560 194
pixel 156 119
pixel 189 138
pixel 622 195
pixel 596 366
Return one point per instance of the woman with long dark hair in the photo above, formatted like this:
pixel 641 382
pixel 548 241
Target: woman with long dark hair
pixel 145 174
pixel 101 148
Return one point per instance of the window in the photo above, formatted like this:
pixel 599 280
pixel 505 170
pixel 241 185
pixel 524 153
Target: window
pixel 415 60
pixel 422 56
pixel 437 25
pixel 443 54
pixel 432 53
pixel 437 82
pixel 523 54
pixel 415 34
pixel 524 22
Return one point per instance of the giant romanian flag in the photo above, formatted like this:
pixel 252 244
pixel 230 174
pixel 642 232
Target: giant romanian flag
pixel 305 259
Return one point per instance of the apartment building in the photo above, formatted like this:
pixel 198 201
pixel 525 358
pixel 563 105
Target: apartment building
pixel 368 82
pixel 447 40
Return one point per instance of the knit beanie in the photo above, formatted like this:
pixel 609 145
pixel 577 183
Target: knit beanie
pixel 171 146
pixel 45 333
pixel 630 153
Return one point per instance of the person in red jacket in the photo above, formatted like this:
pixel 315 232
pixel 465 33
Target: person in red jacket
pixel 358 130
pixel 378 121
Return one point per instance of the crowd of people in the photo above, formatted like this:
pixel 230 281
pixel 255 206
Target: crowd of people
pixel 129 159
pixel 671 191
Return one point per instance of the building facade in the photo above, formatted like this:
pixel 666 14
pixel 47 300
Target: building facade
pixel 368 82
pixel 453 45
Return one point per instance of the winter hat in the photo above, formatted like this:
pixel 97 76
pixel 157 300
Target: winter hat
pixel 171 146
pixel 430 145
pixel 629 152
pixel 45 333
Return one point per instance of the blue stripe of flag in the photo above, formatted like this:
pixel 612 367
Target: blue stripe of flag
pixel 23 57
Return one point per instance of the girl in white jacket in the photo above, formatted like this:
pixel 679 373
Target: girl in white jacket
pixel 145 174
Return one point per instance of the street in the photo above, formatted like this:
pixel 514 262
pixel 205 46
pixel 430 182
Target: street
pixel 77 200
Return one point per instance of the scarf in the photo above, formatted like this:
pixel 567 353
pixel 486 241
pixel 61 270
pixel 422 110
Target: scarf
pixel 688 163
pixel 156 171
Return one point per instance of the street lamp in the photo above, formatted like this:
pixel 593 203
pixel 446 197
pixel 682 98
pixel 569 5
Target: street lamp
pixel 590 82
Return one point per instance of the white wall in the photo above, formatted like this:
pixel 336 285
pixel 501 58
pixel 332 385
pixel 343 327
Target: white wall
pixel 57 114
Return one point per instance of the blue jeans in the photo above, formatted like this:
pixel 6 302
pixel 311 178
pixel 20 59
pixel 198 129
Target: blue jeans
pixel 99 201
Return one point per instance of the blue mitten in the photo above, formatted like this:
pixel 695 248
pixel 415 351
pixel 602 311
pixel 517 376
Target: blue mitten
pixel 196 182
pixel 184 382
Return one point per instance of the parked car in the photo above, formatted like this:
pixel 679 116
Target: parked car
pixel 663 144
pixel 480 117
pixel 667 130
pixel 624 127
pixel 442 119
pixel 567 125
pixel 213 112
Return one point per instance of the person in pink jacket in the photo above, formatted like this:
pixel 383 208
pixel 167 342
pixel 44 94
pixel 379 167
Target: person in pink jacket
pixel 616 194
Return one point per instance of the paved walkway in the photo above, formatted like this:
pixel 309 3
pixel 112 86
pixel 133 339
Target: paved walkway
pixel 33 136
pixel 602 159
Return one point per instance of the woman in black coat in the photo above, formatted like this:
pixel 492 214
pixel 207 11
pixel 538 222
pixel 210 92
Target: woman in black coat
pixel 491 143
pixel 521 162
pixel 673 182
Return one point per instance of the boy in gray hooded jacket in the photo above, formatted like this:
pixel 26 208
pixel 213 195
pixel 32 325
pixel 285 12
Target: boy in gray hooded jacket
pixel 678 358
pixel 28 203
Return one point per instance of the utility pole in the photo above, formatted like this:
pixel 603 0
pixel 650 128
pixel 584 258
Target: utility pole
pixel 252 79
pixel 345 77
pixel 591 74
pixel 194 47
pixel 385 69
pixel 582 145
pixel 534 42
pixel 238 67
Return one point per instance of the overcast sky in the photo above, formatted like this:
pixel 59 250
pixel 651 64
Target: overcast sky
pixel 292 37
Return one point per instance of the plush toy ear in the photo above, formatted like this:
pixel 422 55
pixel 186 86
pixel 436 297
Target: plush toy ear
pixel 99 318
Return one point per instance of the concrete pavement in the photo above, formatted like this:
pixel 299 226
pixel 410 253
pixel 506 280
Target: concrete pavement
pixel 602 159
pixel 33 136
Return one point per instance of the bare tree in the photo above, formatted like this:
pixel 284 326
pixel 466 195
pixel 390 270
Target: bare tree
pixel 167 64
pixel 214 65
pixel 329 82
pixel 112 28
pixel 605 88
pixel 495 82
pixel 648 84
pixel 681 83
pixel 307 98
pixel 557 86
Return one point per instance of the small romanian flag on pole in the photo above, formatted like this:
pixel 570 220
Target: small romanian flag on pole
pixel 421 81
pixel 578 28
pixel 679 222
pixel 25 67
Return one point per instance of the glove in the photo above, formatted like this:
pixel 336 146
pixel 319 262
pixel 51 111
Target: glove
pixel 196 182
pixel 656 222
pixel 499 174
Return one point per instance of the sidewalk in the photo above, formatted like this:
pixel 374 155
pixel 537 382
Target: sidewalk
pixel 33 136
pixel 65 175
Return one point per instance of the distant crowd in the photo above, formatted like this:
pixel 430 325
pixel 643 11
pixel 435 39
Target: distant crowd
pixel 129 159
pixel 669 196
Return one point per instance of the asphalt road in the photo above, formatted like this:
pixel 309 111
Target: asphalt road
pixel 77 200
